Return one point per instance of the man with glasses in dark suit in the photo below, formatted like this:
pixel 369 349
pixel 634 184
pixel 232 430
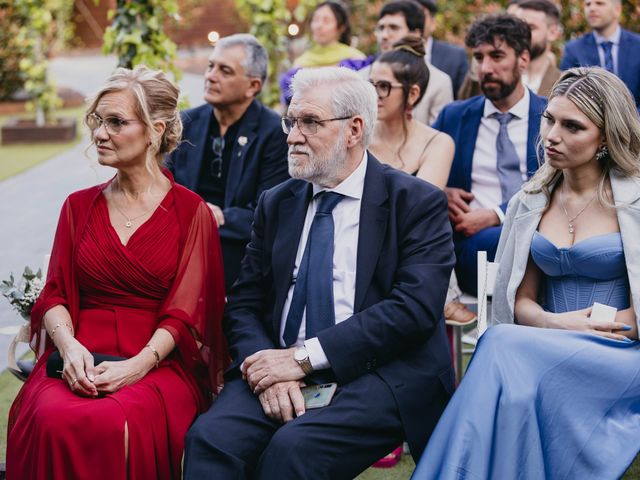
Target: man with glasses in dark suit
pixel 233 147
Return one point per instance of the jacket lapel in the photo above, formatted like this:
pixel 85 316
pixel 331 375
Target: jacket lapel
pixel 247 133
pixel 591 51
pixel 374 216
pixel 200 124
pixel 469 125
pixel 291 214
pixel 536 107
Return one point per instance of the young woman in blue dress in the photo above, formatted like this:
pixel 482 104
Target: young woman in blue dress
pixel 552 391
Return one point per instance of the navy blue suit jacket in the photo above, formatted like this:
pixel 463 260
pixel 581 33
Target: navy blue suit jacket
pixel 461 120
pixel 583 52
pixel 452 60
pixel 256 165
pixel 405 257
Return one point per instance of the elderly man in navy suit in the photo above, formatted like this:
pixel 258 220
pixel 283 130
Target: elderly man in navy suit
pixel 344 281
pixel 449 58
pixel 495 136
pixel 233 148
pixel 608 45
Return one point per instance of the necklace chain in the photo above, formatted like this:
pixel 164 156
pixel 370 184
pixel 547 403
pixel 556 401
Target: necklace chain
pixel 571 220
pixel 130 220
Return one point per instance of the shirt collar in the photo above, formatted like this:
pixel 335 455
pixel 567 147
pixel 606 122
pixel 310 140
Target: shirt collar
pixel 428 47
pixel 352 186
pixel 615 38
pixel 520 109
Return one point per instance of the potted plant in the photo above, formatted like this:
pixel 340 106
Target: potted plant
pixel 42 24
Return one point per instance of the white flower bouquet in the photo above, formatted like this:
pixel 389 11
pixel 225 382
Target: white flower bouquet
pixel 23 295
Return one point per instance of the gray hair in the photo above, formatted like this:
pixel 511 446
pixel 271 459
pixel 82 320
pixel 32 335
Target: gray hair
pixel 351 94
pixel 256 60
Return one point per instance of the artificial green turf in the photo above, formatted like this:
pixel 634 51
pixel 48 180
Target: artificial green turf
pixel 18 158
pixel 9 386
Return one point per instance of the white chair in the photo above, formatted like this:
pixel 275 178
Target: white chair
pixel 486 279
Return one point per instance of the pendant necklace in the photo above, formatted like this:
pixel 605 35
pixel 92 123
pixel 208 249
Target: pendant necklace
pixel 571 220
pixel 129 222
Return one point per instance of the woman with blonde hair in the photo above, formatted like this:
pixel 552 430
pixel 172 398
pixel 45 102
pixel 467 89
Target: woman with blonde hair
pixel 131 310
pixel 552 390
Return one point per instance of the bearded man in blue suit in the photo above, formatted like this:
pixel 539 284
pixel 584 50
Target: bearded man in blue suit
pixel 495 136
pixel 344 280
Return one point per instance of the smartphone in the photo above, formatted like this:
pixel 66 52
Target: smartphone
pixel 317 396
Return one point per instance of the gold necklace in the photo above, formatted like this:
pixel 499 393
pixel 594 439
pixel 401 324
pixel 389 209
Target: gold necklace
pixel 571 220
pixel 130 220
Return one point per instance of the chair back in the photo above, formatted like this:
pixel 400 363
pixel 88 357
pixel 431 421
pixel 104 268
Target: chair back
pixel 486 280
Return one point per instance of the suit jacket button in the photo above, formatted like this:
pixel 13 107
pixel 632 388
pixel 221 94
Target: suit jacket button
pixel 368 365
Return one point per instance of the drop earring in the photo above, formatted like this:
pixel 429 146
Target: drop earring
pixel 602 153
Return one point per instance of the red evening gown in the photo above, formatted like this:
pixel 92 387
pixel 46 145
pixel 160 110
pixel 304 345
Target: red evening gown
pixel 168 275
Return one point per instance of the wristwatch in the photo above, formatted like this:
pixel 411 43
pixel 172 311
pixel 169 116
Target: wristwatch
pixel 301 356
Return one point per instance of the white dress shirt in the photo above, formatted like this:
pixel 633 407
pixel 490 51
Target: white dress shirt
pixel 615 39
pixel 346 221
pixel 485 184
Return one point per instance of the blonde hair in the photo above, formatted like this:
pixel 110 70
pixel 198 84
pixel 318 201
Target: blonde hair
pixel 156 100
pixel 607 102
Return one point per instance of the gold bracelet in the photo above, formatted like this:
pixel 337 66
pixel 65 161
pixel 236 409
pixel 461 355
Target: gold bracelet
pixel 58 325
pixel 155 352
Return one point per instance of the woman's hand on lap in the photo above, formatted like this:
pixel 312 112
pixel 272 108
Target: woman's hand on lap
pixel 112 376
pixel 78 370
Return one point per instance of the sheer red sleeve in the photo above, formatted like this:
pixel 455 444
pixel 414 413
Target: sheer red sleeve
pixel 193 309
pixel 59 288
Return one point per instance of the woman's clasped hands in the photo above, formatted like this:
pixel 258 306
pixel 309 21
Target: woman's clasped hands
pixel 580 320
pixel 88 380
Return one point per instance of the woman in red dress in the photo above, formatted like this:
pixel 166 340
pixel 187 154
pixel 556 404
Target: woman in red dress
pixel 135 272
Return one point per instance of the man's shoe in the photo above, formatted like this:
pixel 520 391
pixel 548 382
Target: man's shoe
pixel 457 314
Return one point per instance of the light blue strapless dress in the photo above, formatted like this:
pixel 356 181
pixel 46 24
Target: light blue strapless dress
pixel 548 404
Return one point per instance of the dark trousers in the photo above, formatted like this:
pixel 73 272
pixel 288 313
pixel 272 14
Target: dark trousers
pixel 467 249
pixel 236 440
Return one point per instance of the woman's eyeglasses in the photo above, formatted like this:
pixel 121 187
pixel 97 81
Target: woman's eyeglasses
pixel 113 125
pixel 217 145
pixel 383 87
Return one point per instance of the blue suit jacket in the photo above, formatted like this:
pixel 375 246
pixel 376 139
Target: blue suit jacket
pixel 405 256
pixel 461 120
pixel 256 165
pixel 452 60
pixel 583 52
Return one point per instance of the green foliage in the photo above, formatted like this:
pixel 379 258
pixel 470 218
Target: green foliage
pixel 137 34
pixel 10 50
pixel 44 27
pixel 269 20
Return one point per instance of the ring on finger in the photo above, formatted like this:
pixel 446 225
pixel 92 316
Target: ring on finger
pixel 75 380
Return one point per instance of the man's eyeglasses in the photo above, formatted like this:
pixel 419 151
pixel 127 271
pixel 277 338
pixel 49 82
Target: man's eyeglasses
pixel 306 125
pixel 383 87
pixel 113 125
pixel 217 145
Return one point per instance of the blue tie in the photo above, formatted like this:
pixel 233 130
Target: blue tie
pixel 507 162
pixel 607 48
pixel 314 283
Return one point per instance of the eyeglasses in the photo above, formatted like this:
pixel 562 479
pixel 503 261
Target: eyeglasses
pixel 306 125
pixel 383 87
pixel 217 145
pixel 113 125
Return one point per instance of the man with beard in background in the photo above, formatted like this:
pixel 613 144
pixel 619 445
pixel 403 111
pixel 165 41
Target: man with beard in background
pixel 495 136
pixel 543 18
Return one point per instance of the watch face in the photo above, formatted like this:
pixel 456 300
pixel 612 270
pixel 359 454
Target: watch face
pixel 300 354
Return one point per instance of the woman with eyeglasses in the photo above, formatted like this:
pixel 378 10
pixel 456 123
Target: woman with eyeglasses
pixel 400 77
pixel 130 315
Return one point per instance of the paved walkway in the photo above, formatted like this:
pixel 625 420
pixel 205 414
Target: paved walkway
pixel 30 202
